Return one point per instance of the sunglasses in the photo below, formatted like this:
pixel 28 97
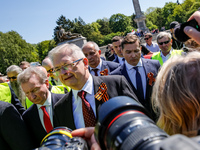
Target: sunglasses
pixel 147 38
pixel 50 70
pixel 11 78
pixel 166 42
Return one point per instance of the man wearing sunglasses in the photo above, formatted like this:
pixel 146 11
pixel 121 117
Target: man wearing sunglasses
pixel 78 108
pixel 12 73
pixel 47 64
pixel 153 47
pixel 164 41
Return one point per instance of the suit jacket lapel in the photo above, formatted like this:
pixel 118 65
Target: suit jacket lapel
pixel 105 66
pixel 146 70
pixel 36 119
pixel 97 82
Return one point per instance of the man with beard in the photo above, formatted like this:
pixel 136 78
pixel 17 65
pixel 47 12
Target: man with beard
pixel 12 73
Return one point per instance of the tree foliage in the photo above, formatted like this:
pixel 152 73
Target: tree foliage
pixel 119 22
pixel 14 49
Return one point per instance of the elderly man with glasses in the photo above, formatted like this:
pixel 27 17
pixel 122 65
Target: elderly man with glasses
pixel 164 41
pixel 78 108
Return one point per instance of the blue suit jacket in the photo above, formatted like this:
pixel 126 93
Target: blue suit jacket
pixel 149 66
pixel 111 66
pixel 32 120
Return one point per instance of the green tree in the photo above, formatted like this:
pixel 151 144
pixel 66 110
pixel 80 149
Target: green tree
pixel 119 22
pixel 66 24
pixel 104 26
pixel 44 47
pixel 14 49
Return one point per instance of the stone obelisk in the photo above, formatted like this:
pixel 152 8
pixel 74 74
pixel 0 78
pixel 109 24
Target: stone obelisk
pixel 139 18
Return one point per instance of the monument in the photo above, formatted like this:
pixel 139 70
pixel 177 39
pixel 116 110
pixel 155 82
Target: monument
pixel 139 18
pixel 68 37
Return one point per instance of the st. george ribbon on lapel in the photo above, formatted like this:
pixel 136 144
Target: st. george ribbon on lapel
pixel 104 72
pixel 102 93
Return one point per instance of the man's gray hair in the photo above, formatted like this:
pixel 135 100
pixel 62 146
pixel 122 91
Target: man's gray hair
pixel 74 50
pixel 96 47
pixel 27 73
pixel 14 68
pixel 164 34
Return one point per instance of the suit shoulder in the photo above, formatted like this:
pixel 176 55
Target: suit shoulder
pixel 152 62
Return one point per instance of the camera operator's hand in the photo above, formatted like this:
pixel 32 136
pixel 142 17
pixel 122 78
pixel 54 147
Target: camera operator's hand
pixel 192 32
pixel 88 135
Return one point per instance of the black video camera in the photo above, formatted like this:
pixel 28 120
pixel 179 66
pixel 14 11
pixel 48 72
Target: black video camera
pixel 124 124
pixel 60 138
pixel 178 32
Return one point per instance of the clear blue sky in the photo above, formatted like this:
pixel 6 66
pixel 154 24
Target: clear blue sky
pixel 35 20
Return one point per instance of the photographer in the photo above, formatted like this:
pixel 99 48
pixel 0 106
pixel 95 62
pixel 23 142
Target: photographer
pixel 190 31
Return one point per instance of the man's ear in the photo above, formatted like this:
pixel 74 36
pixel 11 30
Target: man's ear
pixel 47 83
pixel 85 61
pixel 99 52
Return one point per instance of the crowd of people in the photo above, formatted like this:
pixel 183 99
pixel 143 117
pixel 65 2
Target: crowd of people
pixel 72 83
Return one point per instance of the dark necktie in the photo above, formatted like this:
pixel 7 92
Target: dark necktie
pixel 139 84
pixel 88 114
pixel 46 119
pixel 95 71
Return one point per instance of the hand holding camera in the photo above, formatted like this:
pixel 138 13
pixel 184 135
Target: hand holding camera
pixel 191 31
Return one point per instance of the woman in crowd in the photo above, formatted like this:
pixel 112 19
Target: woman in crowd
pixel 176 95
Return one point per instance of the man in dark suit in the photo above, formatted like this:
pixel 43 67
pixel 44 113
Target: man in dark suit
pixel 71 66
pixel 116 42
pixel 97 66
pixel 139 72
pixel 13 131
pixel 39 116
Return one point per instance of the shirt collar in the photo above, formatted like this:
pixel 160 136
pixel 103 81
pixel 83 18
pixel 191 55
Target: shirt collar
pixel 47 102
pixel 161 54
pixel 98 67
pixel 129 67
pixel 88 87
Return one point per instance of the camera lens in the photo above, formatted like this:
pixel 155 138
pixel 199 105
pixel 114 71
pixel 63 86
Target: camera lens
pixel 125 124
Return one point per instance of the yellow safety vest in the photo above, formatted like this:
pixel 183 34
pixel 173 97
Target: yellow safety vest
pixel 5 93
pixel 157 55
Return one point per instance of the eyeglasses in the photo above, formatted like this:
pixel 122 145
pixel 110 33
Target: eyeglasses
pixel 12 78
pixel 50 70
pixel 146 38
pixel 66 66
pixel 166 42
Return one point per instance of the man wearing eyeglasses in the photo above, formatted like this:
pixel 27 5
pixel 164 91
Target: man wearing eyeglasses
pixel 164 41
pixel 78 108
pixel 97 66
pixel 47 64
pixel 153 47
pixel 39 116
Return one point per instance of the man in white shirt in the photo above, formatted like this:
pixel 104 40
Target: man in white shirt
pixel 153 47
pixel 97 66
pixel 116 42
pixel 39 116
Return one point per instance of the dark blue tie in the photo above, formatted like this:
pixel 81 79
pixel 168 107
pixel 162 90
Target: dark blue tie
pixel 139 84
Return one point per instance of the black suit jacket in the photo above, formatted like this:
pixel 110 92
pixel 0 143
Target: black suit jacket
pixel 116 86
pixel 149 66
pixel 108 65
pixel 31 118
pixel 13 131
